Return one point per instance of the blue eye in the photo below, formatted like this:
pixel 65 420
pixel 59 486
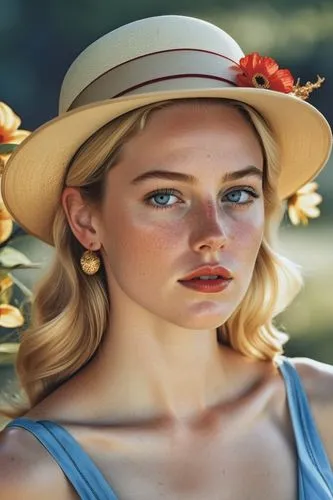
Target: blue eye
pixel 161 196
pixel 241 196
pixel 237 198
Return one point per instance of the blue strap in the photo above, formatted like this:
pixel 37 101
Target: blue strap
pixel 316 473
pixel 76 464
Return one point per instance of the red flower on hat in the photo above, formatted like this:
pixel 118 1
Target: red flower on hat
pixel 263 72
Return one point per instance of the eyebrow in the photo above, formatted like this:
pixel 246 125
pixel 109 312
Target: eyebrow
pixel 190 179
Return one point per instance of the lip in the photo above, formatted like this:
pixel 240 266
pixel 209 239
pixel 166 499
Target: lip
pixel 207 286
pixel 209 271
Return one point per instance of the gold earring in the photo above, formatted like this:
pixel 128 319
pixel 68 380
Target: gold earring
pixel 90 262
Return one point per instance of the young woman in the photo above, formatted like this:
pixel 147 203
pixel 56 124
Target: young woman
pixel 152 367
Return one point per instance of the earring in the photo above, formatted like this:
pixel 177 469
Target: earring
pixel 90 262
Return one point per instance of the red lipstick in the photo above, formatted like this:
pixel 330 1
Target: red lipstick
pixel 219 271
pixel 198 279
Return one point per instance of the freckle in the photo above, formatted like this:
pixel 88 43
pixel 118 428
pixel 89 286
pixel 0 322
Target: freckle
pixel 210 208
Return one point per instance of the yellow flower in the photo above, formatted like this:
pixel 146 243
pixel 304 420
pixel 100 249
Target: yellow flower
pixel 303 204
pixel 6 223
pixel 9 134
pixel 9 130
pixel 10 316
pixel 5 283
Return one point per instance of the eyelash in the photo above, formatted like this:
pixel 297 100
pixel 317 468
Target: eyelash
pixel 167 191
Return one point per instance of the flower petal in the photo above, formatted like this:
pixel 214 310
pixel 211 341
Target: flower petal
pixel 4 214
pixel 10 316
pixel 310 200
pixel 6 228
pixel 18 136
pixel 308 188
pixel 286 78
pixel 250 61
pixel 303 218
pixel 270 65
pixel 5 283
pixel 243 80
pixel 9 121
pixel 293 215
pixel 312 212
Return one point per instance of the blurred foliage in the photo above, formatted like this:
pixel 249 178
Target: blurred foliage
pixel 10 258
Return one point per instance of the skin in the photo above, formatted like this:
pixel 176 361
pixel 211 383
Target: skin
pixel 162 336
pixel 163 409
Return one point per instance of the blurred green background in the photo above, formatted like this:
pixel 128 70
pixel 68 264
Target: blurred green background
pixel 40 39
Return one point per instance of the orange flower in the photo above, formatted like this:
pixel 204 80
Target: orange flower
pixel 263 72
pixel 9 129
pixel 303 204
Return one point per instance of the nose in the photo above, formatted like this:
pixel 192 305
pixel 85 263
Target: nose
pixel 209 229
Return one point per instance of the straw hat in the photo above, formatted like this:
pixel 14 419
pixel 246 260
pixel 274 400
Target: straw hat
pixel 151 60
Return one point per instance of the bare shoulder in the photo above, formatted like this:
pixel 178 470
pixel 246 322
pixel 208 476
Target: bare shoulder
pixel 28 471
pixel 317 379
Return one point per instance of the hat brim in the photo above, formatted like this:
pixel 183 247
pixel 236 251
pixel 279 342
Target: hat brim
pixel 32 181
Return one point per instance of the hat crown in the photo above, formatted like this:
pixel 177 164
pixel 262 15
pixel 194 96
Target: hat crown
pixel 139 39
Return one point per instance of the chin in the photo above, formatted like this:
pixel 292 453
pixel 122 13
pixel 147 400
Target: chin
pixel 204 320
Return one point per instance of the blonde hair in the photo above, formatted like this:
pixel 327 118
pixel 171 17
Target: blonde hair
pixel 70 309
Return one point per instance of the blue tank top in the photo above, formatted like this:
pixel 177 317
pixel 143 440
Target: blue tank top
pixel 315 476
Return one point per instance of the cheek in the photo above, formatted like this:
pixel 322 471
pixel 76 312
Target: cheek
pixel 244 249
pixel 247 234
pixel 138 241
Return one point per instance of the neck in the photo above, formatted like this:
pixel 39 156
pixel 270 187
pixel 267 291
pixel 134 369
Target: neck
pixel 152 369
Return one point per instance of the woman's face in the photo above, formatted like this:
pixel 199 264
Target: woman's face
pixel 156 230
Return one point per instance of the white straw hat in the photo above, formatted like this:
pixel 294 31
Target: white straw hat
pixel 151 60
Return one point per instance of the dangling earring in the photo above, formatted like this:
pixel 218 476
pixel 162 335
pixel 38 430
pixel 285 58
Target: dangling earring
pixel 90 262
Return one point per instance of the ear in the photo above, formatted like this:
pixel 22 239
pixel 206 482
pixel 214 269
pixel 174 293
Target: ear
pixel 81 218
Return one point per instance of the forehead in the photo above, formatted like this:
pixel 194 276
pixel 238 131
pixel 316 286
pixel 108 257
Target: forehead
pixel 183 132
pixel 194 114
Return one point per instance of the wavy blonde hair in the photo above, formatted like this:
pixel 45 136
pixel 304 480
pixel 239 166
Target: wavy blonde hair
pixel 70 309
